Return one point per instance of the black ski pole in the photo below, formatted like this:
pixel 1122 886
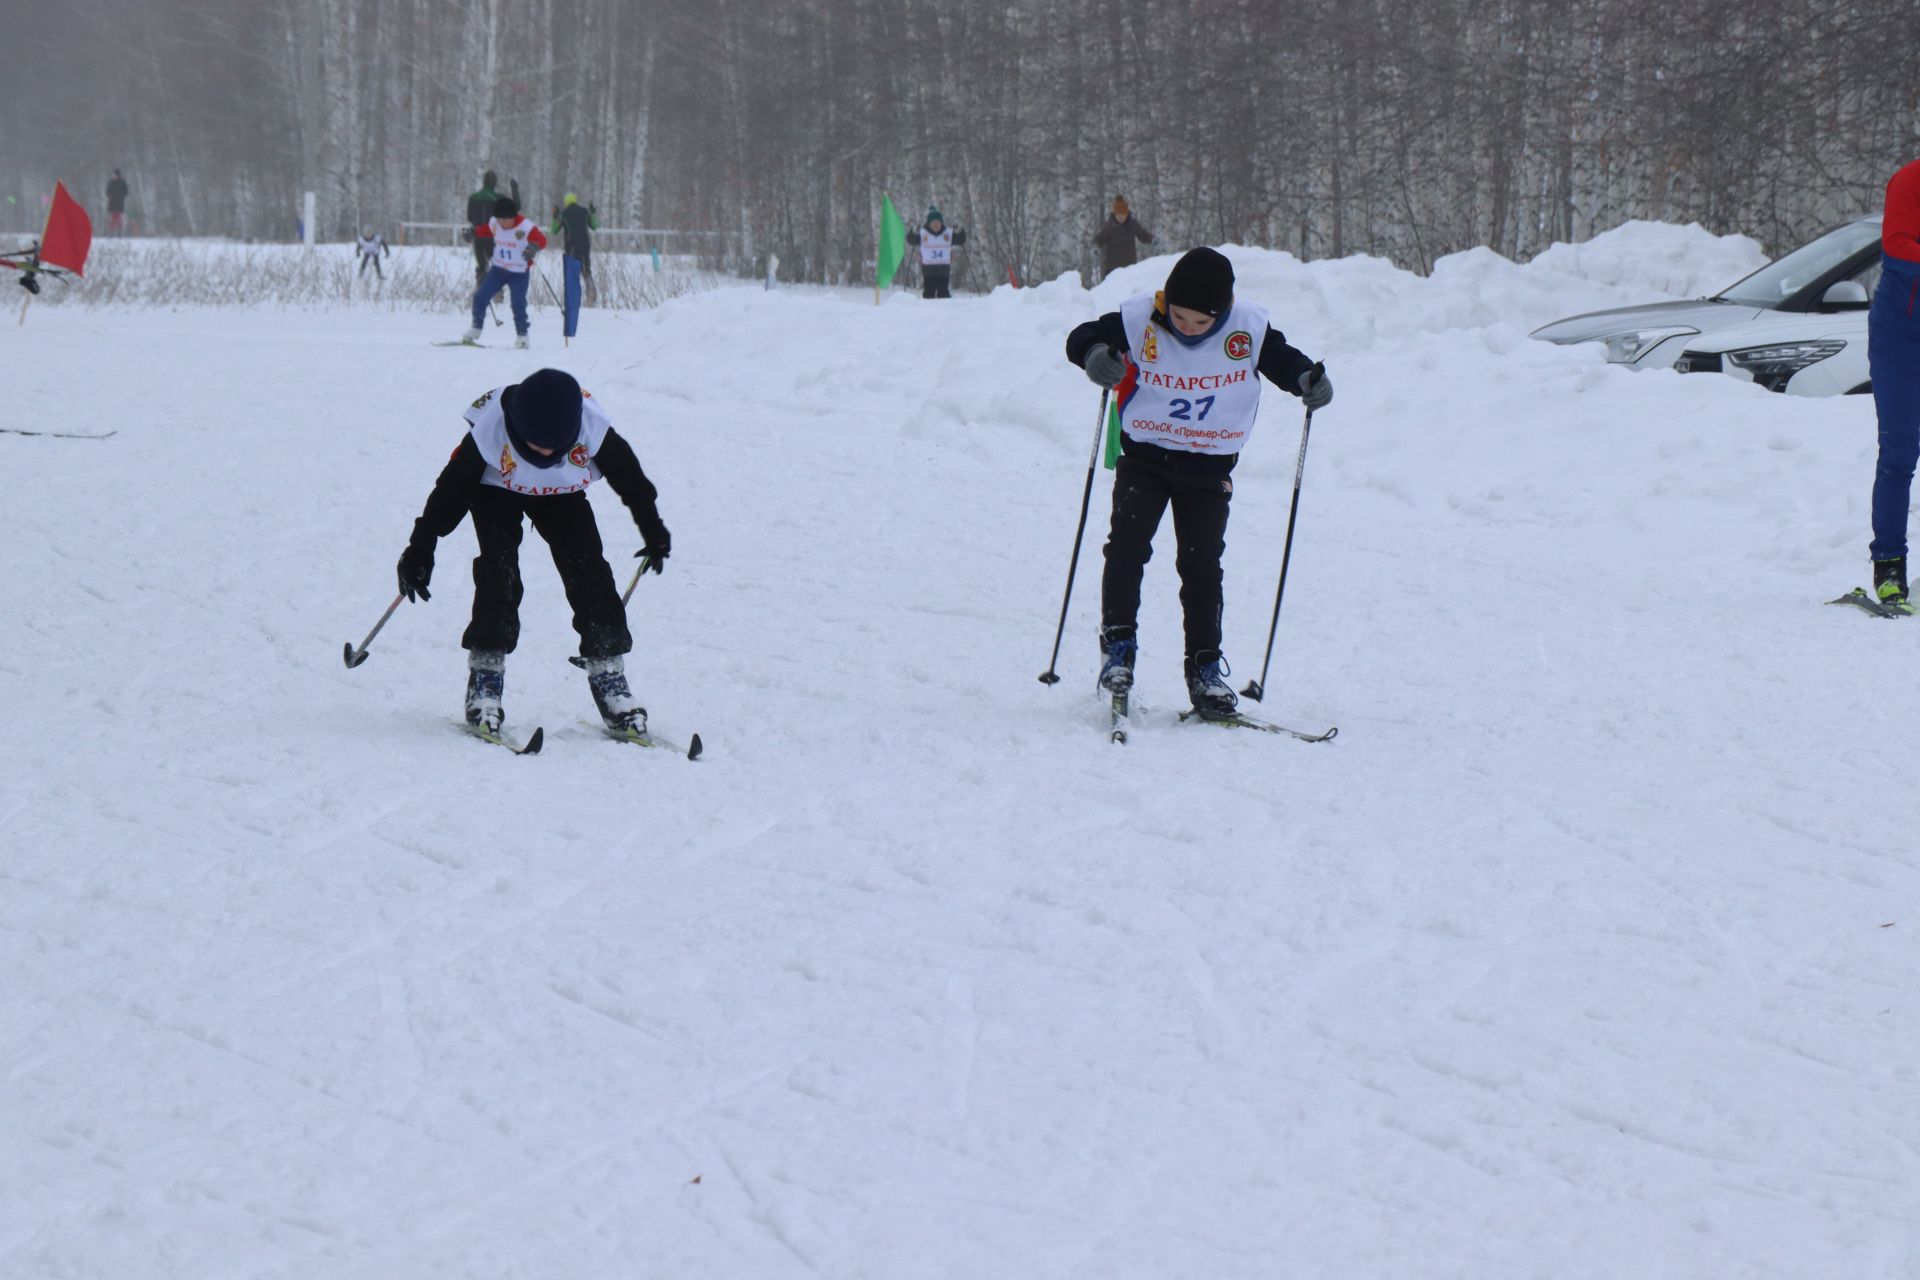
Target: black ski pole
pixel 1257 689
pixel 354 657
pixel 1049 676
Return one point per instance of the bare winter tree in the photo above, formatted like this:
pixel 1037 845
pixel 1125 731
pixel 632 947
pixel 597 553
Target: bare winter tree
pixel 1327 127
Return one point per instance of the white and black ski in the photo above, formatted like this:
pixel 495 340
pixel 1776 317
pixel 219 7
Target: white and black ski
pixel 641 738
pixel 1240 720
pixel 461 342
pixel 499 738
pixel 61 435
pixel 1121 720
pixel 1865 601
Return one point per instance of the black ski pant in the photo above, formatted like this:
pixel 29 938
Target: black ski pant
pixel 565 521
pixel 933 281
pixel 1141 492
pixel 374 258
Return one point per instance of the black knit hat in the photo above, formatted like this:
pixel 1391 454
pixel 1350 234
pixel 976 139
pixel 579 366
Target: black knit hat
pixel 506 207
pixel 544 410
pixel 1201 281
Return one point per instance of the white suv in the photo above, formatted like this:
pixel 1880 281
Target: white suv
pixel 1798 324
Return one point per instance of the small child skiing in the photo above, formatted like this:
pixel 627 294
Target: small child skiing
pixel 936 242
pixel 515 240
pixel 530 451
pixel 371 247
pixel 1182 362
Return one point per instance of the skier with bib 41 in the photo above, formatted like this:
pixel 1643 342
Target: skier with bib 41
pixel 530 452
pixel 515 240
pixel 1182 363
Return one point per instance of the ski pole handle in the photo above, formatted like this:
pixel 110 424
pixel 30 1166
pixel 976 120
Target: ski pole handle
pixel 628 593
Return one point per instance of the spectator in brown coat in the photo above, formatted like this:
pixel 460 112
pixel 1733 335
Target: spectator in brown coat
pixel 1119 238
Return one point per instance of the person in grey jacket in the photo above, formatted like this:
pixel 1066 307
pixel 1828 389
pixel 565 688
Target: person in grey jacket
pixel 1119 238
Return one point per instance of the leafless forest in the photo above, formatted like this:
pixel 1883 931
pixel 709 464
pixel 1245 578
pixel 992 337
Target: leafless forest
pixel 1404 128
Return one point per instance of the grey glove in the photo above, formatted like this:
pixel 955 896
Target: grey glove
pixel 1316 388
pixel 1104 368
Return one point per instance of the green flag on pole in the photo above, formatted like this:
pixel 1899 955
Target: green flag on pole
pixel 1113 433
pixel 893 246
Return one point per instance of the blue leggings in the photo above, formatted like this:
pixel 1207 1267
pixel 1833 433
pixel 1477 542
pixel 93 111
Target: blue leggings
pixel 516 283
pixel 1893 361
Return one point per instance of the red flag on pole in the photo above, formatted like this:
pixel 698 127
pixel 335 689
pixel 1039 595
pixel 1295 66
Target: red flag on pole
pixel 69 233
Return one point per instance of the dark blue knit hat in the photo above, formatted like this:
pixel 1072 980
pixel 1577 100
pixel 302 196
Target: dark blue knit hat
pixel 933 214
pixel 544 410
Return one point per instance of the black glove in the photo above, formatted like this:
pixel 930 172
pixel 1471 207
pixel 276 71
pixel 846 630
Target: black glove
pixel 659 547
pixel 466 235
pixel 1104 368
pixel 1316 388
pixel 416 570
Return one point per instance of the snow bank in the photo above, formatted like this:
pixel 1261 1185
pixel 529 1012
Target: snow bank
pixel 1579 953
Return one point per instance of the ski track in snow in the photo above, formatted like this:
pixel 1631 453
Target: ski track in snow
pixel 1582 952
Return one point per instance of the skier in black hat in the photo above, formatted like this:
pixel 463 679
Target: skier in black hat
pixel 1182 362
pixel 530 451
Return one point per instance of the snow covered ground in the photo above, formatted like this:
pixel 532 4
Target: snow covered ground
pixel 1583 951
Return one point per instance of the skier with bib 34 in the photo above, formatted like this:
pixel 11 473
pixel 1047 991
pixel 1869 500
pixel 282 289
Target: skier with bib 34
pixel 936 242
pixel 515 240
pixel 530 452
pixel 1182 363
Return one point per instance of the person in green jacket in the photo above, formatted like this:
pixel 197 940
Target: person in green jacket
pixel 575 224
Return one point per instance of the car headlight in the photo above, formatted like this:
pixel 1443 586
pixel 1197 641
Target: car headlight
pixel 1773 367
pixel 1625 348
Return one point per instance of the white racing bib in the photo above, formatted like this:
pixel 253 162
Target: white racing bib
pixel 510 244
pixel 370 247
pixel 506 469
pixel 1200 399
pixel 936 250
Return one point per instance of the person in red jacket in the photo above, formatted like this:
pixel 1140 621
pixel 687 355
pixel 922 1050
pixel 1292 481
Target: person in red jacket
pixel 515 240
pixel 1893 362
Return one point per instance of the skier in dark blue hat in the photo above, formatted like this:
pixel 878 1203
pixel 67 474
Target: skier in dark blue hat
pixel 530 452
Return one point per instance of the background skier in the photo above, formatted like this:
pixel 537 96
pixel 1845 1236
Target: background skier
pixel 937 242
pixel 513 241
pixel 370 248
pixel 1182 363
pixel 116 203
pixel 575 224
pixel 479 209
pixel 530 452
pixel 1893 361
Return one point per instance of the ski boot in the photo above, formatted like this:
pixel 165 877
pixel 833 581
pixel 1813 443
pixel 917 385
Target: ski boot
pixel 1213 698
pixel 607 678
pixel 520 342
pixel 471 338
pixel 486 681
pixel 1890 582
pixel 1117 647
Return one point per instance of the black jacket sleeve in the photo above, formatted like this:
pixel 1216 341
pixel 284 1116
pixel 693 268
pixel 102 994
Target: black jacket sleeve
pixel 452 494
pixel 959 238
pixel 1282 364
pixel 1107 329
pixel 622 470
pixel 913 235
pixel 1140 231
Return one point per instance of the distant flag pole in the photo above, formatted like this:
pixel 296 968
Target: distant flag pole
pixel 63 244
pixel 893 246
